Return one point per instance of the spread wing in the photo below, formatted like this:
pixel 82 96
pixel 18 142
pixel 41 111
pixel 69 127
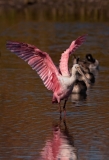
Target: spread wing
pixel 65 56
pixel 39 61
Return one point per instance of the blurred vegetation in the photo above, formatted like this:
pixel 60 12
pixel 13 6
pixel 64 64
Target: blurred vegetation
pixel 84 10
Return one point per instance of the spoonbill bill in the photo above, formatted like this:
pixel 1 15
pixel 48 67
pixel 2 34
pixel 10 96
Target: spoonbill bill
pixel 88 74
pixel 61 84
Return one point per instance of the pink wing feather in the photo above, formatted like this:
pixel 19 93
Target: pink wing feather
pixel 65 56
pixel 39 61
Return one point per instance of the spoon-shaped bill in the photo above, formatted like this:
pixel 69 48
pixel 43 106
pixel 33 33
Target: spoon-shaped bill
pixel 81 72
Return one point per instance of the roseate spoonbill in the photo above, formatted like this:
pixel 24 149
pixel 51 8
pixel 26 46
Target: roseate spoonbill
pixel 61 84
pixel 92 63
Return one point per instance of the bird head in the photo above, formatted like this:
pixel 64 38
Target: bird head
pixel 90 58
pixel 77 68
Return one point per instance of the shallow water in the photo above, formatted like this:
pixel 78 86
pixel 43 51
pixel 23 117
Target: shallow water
pixel 26 112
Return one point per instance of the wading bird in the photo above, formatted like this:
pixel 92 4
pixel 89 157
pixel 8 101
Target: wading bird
pixel 61 84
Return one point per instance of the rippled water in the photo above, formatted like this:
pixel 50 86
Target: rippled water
pixel 27 114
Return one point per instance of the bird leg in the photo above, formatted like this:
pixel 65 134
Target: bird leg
pixel 60 108
pixel 64 107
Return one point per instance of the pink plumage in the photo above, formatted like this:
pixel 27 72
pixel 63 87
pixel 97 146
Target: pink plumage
pixel 42 63
pixel 38 60
pixel 60 146
pixel 65 56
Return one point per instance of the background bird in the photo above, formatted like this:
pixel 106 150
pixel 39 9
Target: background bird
pixel 88 74
pixel 80 86
pixel 92 62
pixel 85 69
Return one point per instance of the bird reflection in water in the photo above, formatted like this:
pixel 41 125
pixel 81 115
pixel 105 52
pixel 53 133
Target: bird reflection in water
pixel 61 145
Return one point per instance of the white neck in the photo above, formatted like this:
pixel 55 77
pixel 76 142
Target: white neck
pixel 73 75
pixel 72 78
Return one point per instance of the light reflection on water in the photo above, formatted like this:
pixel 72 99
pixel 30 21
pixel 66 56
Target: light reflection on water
pixel 26 111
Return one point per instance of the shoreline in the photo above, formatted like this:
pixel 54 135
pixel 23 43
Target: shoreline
pixel 99 4
pixel 84 10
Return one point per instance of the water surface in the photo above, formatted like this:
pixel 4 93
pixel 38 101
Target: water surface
pixel 26 112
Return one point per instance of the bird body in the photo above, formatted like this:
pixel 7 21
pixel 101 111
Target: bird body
pixel 79 87
pixel 90 76
pixel 80 83
pixel 94 65
pixel 66 85
pixel 60 84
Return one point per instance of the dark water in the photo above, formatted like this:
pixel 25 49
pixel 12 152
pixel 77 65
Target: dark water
pixel 30 125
